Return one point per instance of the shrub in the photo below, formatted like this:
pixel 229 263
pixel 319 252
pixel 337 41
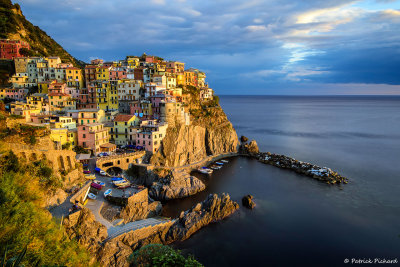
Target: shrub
pixel 159 255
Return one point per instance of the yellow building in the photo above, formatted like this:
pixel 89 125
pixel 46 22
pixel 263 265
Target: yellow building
pixel 103 73
pixel 23 109
pixel 21 80
pixel 53 61
pixel 43 87
pixel 125 129
pixel 132 62
pixel 39 101
pixel 180 79
pixel 59 102
pixel 107 95
pixel 59 136
pixel 74 77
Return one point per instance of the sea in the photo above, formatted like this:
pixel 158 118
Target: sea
pixel 299 221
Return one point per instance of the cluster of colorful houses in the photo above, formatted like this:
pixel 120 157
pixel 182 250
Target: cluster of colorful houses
pixel 106 104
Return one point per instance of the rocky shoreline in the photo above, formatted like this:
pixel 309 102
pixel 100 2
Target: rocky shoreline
pixel 91 234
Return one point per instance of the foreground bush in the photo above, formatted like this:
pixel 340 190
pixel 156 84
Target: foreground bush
pixel 25 223
pixel 159 255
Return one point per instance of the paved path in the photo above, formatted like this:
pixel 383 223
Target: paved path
pixel 115 231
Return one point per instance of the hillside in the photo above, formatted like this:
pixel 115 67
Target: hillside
pixel 14 25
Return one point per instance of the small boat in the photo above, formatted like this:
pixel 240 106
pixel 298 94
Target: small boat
pixel 96 185
pixel 86 172
pixel 91 196
pixel 205 170
pixel 219 163
pixel 108 192
pixel 103 173
pixel 117 179
pixel 100 183
pixel 215 168
pixel 224 161
pixel 123 185
pixel 119 182
pixel 90 176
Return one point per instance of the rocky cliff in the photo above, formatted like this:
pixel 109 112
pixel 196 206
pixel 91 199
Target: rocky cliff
pixel 209 133
pixel 82 226
pixel 214 208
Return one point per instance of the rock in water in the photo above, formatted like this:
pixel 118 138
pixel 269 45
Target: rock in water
pixel 247 201
pixel 244 139
pixel 251 148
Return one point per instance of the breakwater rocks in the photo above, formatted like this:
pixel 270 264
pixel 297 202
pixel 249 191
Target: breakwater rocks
pixel 320 173
pixel 176 185
pixel 214 208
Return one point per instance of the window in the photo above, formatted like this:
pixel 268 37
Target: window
pixel 84 135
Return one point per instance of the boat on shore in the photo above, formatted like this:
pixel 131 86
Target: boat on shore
pixel 224 160
pixel 108 192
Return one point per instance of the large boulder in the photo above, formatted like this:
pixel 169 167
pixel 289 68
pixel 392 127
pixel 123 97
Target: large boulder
pixel 176 185
pixel 82 226
pixel 138 207
pixel 250 149
pixel 248 202
pixel 213 208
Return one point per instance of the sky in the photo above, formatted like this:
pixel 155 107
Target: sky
pixel 272 47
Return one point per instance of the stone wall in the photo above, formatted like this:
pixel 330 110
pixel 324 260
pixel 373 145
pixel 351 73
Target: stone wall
pixel 81 194
pixel 121 161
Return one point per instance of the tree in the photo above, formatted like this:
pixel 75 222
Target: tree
pixel 154 255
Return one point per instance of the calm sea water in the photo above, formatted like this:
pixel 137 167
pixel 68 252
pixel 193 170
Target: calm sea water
pixel 299 221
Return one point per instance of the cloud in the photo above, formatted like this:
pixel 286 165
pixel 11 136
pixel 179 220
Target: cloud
pixel 279 42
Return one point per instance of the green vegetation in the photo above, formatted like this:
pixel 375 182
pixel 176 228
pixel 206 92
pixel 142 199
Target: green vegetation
pixel 13 262
pixel 80 150
pixel 25 223
pixel 155 255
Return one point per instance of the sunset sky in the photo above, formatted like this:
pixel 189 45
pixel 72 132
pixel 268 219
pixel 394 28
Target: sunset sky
pixel 245 47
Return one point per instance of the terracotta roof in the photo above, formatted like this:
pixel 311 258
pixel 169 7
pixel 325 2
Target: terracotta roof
pixel 123 117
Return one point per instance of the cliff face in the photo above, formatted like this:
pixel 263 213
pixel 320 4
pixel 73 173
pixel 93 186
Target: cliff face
pixel 209 133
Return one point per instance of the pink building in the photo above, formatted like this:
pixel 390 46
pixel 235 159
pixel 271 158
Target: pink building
pixel 151 135
pixel 155 102
pixel 57 88
pixel 18 94
pixel 74 92
pixel 118 74
pixel 94 137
